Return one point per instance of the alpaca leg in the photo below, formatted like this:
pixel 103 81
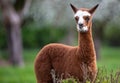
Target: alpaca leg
pixel 43 73
pixel 43 70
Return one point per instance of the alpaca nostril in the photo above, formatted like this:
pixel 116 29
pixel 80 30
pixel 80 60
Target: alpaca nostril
pixel 80 25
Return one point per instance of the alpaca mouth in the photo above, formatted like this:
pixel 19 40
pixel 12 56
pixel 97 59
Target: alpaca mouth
pixel 82 28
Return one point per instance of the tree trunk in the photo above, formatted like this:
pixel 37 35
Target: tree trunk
pixel 97 43
pixel 12 22
pixel 14 44
pixel 13 15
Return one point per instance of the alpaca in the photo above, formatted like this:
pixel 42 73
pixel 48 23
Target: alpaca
pixel 78 61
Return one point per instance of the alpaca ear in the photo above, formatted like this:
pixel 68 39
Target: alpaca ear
pixel 92 10
pixel 74 8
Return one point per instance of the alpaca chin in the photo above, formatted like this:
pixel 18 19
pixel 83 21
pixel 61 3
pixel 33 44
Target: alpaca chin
pixel 82 29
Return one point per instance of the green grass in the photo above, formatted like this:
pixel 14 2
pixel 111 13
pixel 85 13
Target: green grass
pixel 110 60
pixel 17 75
pixel 11 74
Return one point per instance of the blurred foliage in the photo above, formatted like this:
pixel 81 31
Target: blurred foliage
pixel 36 37
pixel 18 4
pixel 3 39
pixel 112 35
pixel 39 37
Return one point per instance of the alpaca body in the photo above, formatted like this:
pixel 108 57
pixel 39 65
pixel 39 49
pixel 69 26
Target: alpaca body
pixel 69 61
pixel 78 62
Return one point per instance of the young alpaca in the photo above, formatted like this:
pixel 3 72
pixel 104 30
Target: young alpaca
pixel 78 62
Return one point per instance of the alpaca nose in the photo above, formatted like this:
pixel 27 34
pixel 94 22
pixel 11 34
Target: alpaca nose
pixel 80 25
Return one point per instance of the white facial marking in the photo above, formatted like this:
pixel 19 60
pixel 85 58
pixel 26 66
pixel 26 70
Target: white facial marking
pixel 83 29
pixel 81 14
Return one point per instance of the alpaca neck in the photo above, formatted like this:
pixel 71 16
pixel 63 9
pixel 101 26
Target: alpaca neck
pixel 86 46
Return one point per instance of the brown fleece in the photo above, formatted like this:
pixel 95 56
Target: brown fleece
pixel 78 62
pixel 67 61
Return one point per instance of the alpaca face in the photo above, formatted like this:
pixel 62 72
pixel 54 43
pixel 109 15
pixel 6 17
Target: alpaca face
pixel 83 17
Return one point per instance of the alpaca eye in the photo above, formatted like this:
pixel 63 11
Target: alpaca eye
pixel 77 18
pixel 87 18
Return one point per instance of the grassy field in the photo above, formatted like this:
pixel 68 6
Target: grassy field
pixel 110 60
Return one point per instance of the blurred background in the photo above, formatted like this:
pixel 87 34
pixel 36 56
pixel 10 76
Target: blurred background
pixel 27 25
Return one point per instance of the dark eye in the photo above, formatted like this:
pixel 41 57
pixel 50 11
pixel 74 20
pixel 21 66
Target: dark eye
pixel 77 18
pixel 87 18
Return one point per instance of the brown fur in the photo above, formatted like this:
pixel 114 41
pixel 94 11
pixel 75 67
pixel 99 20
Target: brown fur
pixel 78 62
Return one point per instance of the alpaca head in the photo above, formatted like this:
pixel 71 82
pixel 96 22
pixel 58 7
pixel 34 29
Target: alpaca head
pixel 83 17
